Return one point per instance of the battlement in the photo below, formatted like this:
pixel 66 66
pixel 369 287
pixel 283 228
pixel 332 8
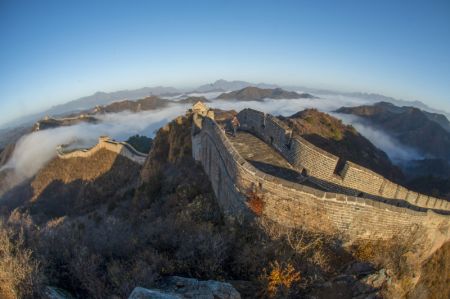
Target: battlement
pixel 321 165
pixel 294 204
pixel 105 142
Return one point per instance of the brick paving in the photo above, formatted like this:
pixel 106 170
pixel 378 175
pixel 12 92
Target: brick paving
pixel 263 156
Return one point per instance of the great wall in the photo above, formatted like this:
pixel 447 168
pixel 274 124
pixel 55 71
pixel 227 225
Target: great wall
pixel 321 167
pixel 297 181
pixel 354 202
pixel 121 148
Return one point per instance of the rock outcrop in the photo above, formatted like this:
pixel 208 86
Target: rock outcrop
pixel 176 287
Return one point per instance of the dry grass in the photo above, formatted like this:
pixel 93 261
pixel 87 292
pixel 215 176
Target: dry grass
pixel 434 282
pixel 20 275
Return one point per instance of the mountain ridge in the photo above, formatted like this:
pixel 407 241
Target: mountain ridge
pixel 219 85
pixel 252 93
pixel 413 127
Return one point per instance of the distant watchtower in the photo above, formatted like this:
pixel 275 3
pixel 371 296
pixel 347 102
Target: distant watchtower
pixel 200 111
pixel 203 110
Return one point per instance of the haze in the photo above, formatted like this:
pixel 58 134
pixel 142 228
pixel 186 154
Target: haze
pixel 26 163
pixel 54 51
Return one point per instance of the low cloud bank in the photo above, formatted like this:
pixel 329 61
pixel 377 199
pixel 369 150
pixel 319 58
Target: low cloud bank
pixel 326 103
pixel 34 150
pixel 398 152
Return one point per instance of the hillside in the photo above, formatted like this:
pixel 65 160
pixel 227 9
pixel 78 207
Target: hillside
pixel 71 186
pixel 140 143
pixel 148 103
pixel 259 94
pixel 6 153
pixel 11 135
pixel 330 134
pixel 424 131
pixel 145 104
pixel 100 226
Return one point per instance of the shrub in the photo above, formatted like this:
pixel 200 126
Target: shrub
pixel 20 274
pixel 255 203
pixel 281 279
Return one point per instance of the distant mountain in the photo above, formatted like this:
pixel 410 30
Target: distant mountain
pixel 8 136
pixel 259 94
pixel 425 131
pixel 147 103
pixel 193 100
pixel 103 98
pixel 224 86
pixel 374 97
pixel 428 167
pixel 89 116
pixel 98 98
pixel 369 97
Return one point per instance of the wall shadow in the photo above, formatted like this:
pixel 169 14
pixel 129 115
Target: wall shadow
pixel 58 199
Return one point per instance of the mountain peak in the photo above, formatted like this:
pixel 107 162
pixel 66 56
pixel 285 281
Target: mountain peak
pixel 252 93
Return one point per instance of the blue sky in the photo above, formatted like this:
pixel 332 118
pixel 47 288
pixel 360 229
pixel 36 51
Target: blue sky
pixel 55 51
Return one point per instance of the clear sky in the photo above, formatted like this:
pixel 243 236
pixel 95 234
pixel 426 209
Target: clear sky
pixel 55 51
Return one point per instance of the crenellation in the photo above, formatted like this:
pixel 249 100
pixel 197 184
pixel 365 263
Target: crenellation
pixel 121 148
pixel 292 204
pixel 320 166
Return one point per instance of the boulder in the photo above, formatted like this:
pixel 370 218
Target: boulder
pixel 175 287
pixel 141 293
pixel 56 293
pixel 377 279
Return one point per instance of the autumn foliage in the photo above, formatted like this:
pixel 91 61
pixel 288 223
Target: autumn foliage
pixel 281 279
pixel 255 202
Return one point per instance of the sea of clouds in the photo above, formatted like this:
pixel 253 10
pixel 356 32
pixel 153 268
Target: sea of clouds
pixel 36 149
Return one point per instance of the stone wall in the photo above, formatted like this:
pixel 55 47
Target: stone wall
pixel 293 205
pixel 121 148
pixel 321 165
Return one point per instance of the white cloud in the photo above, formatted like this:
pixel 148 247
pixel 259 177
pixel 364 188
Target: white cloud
pixel 286 107
pixel 395 150
pixel 34 150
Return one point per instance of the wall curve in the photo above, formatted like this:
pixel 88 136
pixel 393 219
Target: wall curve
pixel 295 205
pixel 121 148
pixel 321 165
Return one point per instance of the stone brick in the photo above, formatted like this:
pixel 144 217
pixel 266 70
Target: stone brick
pixel 290 204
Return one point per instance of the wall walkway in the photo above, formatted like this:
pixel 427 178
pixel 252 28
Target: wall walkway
pixel 121 148
pixel 321 165
pixel 292 204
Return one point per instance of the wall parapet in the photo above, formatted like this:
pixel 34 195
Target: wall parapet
pixel 292 204
pixel 320 164
pixel 122 148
